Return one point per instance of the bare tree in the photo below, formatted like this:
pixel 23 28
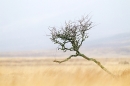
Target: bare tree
pixel 73 33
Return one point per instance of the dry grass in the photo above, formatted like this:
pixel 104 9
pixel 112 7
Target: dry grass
pixel 76 72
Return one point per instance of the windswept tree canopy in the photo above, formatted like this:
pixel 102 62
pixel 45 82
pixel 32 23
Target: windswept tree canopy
pixel 73 32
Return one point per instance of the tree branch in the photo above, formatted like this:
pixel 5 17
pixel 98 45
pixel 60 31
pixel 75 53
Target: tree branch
pixel 65 59
pixel 97 62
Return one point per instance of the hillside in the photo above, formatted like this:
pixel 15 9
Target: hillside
pixel 115 46
pixel 118 45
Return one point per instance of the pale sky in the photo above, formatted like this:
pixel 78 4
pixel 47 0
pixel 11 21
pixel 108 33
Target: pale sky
pixel 24 23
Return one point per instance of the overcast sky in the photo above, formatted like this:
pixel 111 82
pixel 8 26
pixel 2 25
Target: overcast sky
pixel 24 23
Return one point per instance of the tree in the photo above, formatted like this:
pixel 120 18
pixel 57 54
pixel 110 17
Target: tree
pixel 73 33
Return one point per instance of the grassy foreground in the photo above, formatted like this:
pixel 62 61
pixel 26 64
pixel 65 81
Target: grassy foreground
pixel 75 72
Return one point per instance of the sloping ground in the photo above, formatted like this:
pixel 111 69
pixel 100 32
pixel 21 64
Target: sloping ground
pixel 115 46
pixel 28 72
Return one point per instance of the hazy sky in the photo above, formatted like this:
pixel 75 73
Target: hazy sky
pixel 24 23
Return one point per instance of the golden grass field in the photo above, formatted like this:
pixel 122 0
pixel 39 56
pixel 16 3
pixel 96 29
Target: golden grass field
pixel 76 72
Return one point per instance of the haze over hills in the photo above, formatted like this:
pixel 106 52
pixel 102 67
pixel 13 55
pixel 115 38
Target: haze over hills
pixel 115 46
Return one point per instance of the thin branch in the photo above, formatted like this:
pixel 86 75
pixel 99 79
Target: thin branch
pixel 65 59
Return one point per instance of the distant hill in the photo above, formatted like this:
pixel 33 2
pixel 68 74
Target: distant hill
pixel 118 45
pixel 115 46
